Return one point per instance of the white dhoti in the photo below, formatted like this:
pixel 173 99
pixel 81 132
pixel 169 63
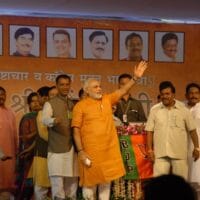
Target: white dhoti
pixel 194 166
pixel 63 172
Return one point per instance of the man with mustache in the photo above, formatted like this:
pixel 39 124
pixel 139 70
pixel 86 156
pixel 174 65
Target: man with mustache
pixel 168 127
pixel 98 41
pixel 170 45
pixel 193 97
pixel 24 42
pixel 61 158
pixel 134 47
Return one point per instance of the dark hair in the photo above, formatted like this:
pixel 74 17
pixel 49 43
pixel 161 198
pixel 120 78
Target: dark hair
pixel 22 31
pixel 169 36
pixel 97 33
pixel 30 96
pixel 52 87
pixel 167 187
pixel 132 35
pixel 43 91
pixel 61 31
pixel 64 76
pixel 167 84
pixel 124 76
pixel 191 85
pixel 80 93
pixel 2 89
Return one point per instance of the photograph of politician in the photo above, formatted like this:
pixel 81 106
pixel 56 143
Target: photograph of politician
pixel 133 45
pixel 97 44
pixel 24 41
pixel 61 42
pixel 169 46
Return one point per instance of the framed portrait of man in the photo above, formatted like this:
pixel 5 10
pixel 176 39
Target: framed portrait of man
pixel 133 45
pixel 169 46
pixel 97 44
pixel 24 41
pixel 1 40
pixel 61 42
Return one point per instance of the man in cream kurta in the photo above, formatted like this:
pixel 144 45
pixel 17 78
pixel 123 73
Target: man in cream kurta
pixel 193 97
pixel 96 139
pixel 168 126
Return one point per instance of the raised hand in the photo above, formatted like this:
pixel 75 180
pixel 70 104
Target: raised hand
pixel 139 69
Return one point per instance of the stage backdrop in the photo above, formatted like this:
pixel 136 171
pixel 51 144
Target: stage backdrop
pixel 97 48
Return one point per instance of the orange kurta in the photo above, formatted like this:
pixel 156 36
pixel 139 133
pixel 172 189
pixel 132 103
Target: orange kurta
pixel 99 140
pixel 8 144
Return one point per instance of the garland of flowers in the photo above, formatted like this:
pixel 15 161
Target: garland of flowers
pixel 126 190
pixel 131 129
pixel 130 189
pixel 118 189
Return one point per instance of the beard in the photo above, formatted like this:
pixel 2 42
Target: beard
pixel 96 96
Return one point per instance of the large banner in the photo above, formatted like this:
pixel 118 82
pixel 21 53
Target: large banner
pixel 34 50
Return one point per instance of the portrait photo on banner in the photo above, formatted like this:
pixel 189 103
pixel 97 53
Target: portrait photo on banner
pixel 169 46
pixel 61 42
pixel 1 40
pixel 133 45
pixel 24 41
pixel 98 44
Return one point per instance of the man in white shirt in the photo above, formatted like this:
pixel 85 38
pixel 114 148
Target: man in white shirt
pixel 193 97
pixel 168 127
pixel 62 160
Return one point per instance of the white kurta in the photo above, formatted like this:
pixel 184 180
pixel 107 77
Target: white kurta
pixel 194 170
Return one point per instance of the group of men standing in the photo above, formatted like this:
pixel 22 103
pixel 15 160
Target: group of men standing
pixel 81 141
pixel 61 155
